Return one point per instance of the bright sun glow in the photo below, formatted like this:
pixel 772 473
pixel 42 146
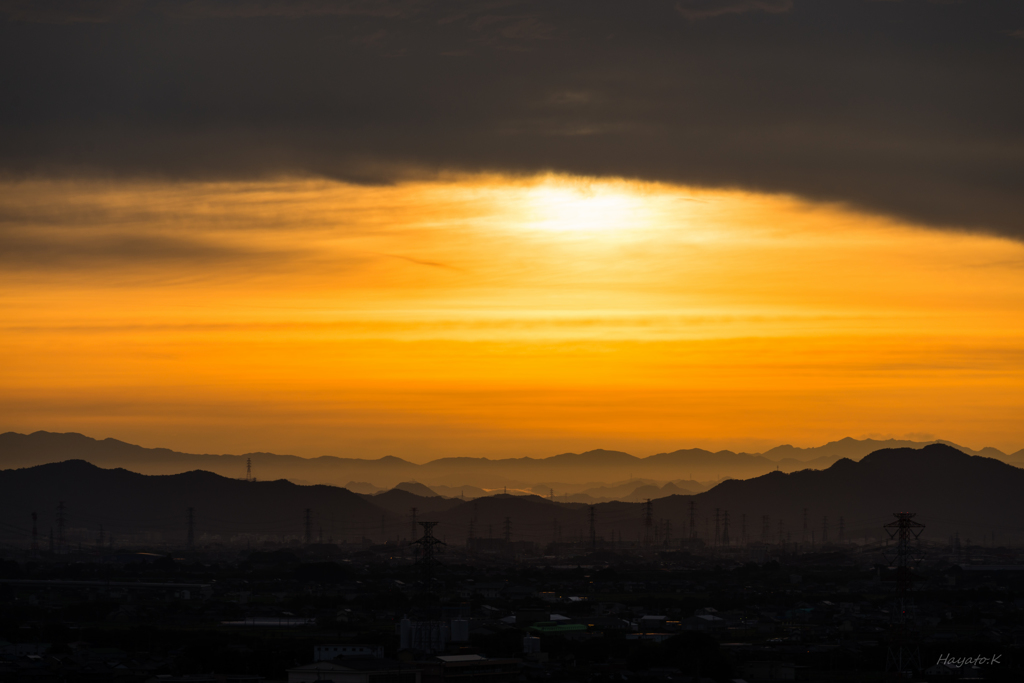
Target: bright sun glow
pixel 587 208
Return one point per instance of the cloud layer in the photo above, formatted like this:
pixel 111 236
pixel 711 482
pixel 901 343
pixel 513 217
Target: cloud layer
pixel 908 108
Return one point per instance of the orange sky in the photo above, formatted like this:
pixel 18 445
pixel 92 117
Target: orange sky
pixel 485 315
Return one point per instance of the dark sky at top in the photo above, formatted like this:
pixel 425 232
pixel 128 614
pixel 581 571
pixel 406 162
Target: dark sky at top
pixel 913 108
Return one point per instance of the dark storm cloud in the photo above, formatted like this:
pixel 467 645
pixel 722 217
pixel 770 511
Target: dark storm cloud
pixel 911 108
pixel 73 11
pixel 699 9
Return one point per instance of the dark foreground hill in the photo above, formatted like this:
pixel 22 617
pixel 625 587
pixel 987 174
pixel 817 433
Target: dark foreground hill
pixel 575 471
pixel 949 490
pixel 155 508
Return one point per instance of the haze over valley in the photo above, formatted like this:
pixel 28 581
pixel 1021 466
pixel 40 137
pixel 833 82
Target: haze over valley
pixel 593 476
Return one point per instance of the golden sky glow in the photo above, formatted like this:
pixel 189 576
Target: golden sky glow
pixel 491 316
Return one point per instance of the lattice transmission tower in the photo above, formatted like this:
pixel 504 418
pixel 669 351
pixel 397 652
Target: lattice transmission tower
pixel 904 656
pixel 427 563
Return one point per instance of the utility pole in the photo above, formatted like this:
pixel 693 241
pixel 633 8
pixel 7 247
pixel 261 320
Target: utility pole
pixel 648 522
pixel 903 655
pixel 718 536
pixel 803 536
pixel 824 530
pixel 508 530
pixel 693 520
pixel 248 469
pixel 593 530
pixel 309 526
pixel 61 521
pixel 765 529
pixel 725 529
pixel 668 533
pixel 191 542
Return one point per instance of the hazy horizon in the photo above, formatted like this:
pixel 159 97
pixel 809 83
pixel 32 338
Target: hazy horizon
pixel 538 455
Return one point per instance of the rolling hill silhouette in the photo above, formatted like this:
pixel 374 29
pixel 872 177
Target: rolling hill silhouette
pixel 400 502
pixel 155 507
pixel 950 491
pixel 416 488
pixel 596 467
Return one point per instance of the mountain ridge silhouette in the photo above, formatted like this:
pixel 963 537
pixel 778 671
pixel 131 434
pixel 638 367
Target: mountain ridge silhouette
pixel 951 491
pixel 20 450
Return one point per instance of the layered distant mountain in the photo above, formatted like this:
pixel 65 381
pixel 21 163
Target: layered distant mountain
pixel 949 490
pixel 417 488
pixel 575 472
